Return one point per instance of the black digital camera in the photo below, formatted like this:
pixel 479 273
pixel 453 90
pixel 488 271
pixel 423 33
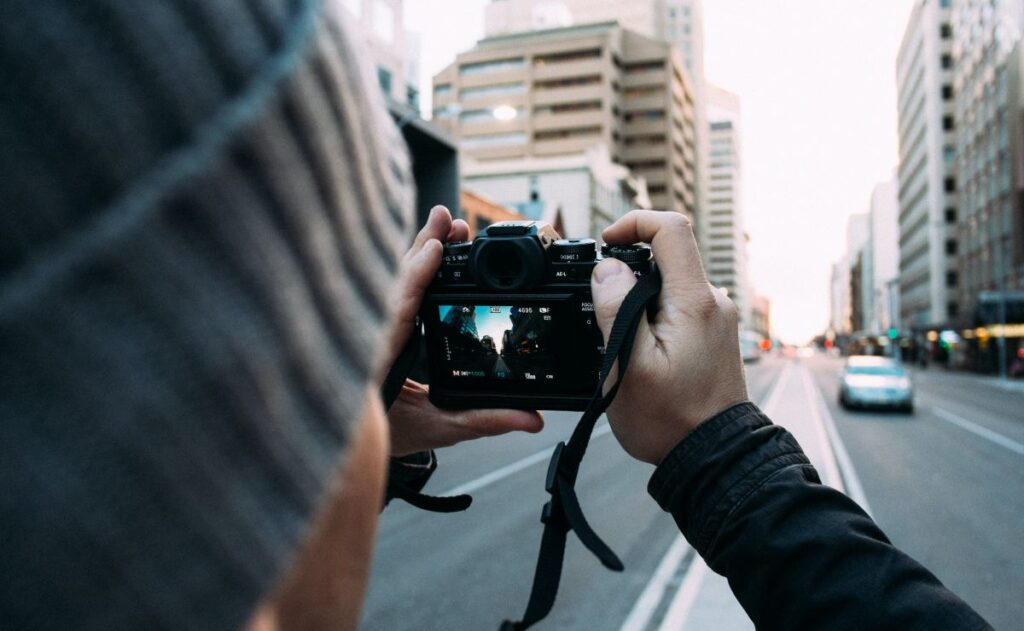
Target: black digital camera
pixel 509 320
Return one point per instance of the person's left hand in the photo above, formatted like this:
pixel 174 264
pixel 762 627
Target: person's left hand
pixel 416 423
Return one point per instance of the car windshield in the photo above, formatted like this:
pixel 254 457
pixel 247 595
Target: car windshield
pixel 880 371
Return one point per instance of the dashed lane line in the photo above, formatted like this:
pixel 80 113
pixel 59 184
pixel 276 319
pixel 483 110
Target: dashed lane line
pixel 979 430
pixel 515 467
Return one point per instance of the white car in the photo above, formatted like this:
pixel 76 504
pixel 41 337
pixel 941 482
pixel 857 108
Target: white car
pixel 876 382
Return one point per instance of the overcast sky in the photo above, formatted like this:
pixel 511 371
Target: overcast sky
pixel 816 80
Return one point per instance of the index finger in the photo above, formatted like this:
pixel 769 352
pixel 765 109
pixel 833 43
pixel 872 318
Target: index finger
pixel 671 237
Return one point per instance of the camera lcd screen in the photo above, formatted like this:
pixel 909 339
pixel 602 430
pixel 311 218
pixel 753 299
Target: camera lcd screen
pixel 498 342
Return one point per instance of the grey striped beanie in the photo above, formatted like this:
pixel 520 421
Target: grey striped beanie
pixel 203 205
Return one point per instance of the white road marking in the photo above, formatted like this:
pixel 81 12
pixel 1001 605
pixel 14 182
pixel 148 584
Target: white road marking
pixel 515 467
pixel 849 479
pixel 979 430
pixel 681 605
pixel 653 594
pixel 832 476
pixel 640 616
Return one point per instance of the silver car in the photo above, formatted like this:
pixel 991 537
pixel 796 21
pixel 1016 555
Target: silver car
pixel 876 382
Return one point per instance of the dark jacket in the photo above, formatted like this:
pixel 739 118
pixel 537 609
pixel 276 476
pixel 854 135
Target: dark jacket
pixel 797 554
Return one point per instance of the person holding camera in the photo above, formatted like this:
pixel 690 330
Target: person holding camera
pixel 204 274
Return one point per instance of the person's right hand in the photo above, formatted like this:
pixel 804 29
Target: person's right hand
pixel 685 365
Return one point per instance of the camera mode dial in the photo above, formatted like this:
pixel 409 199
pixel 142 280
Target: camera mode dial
pixel 574 250
pixel 457 252
pixel 627 253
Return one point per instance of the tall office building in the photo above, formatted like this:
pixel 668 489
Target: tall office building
pixel 725 249
pixel 563 91
pixel 989 108
pixel 678 22
pixel 882 260
pixel 926 173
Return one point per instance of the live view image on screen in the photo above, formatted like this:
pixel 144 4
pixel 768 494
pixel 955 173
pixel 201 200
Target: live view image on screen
pixel 498 342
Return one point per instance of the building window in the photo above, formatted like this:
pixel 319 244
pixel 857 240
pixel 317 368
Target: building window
pixel 384 79
pixel 947 123
pixel 384 22
pixel 953 309
pixel 496 65
pixel 648 115
pixel 646 164
pixel 951 279
pixel 951 215
pixel 494 140
pixel 566 57
pixel 642 91
pixel 947 61
pixel 951 247
pixel 947 92
pixel 949 185
pixel 561 134
pixel 493 90
pixel 569 82
pixel 946 31
pixel 645 139
pixel 412 96
pixel 644 66
pixel 569 108
pixel 656 189
pixel 486 115
pixel 442 89
pixel 949 154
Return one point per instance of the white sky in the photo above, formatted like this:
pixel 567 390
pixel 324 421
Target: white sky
pixel 816 80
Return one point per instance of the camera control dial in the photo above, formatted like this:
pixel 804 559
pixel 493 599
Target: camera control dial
pixel 574 250
pixel 627 253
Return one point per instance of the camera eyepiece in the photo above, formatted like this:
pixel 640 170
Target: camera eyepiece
pixel 508 263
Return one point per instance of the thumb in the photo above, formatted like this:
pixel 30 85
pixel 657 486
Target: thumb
pixel 611 281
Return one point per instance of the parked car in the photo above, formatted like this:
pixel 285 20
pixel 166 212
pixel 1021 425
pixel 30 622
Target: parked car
pixel 750 346
pixel 877 382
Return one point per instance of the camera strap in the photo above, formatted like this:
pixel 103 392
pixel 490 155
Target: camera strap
pixel 392 387
pixel 562 512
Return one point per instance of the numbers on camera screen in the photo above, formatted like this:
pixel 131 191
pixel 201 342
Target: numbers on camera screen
pixel 505 342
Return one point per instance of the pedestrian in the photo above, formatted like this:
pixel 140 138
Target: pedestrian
pixel 204 272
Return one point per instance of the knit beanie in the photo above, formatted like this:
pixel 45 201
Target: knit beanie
pixel 203 204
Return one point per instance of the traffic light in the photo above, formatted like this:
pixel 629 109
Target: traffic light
pixel 893 334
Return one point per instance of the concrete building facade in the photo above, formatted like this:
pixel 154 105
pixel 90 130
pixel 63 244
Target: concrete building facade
pixel 678 22
pixel 581 193
pixel 725 238
pixel 564 91
pixel 926 173
pixel 883 258
pixel 989 108
pixel 393 51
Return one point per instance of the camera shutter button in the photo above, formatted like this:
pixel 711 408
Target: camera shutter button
pixel 627 253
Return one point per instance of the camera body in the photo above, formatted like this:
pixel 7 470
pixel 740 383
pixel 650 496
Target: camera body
pixel 509 320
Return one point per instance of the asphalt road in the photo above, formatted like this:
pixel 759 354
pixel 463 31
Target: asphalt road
pixel 951 497
pixel 471 570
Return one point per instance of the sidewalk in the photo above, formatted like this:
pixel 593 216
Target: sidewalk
pixel 939 374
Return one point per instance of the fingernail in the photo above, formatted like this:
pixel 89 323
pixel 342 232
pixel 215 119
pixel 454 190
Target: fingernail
pixel 606 270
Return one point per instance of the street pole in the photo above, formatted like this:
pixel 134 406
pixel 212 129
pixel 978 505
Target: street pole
pixel 1002 337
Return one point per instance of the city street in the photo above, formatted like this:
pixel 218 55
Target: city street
pixel 946 484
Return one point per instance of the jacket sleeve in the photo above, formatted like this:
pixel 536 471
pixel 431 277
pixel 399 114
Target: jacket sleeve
pixel 797 554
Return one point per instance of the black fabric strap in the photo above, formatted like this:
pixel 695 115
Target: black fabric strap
pixel 392 387
pixel 563 512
